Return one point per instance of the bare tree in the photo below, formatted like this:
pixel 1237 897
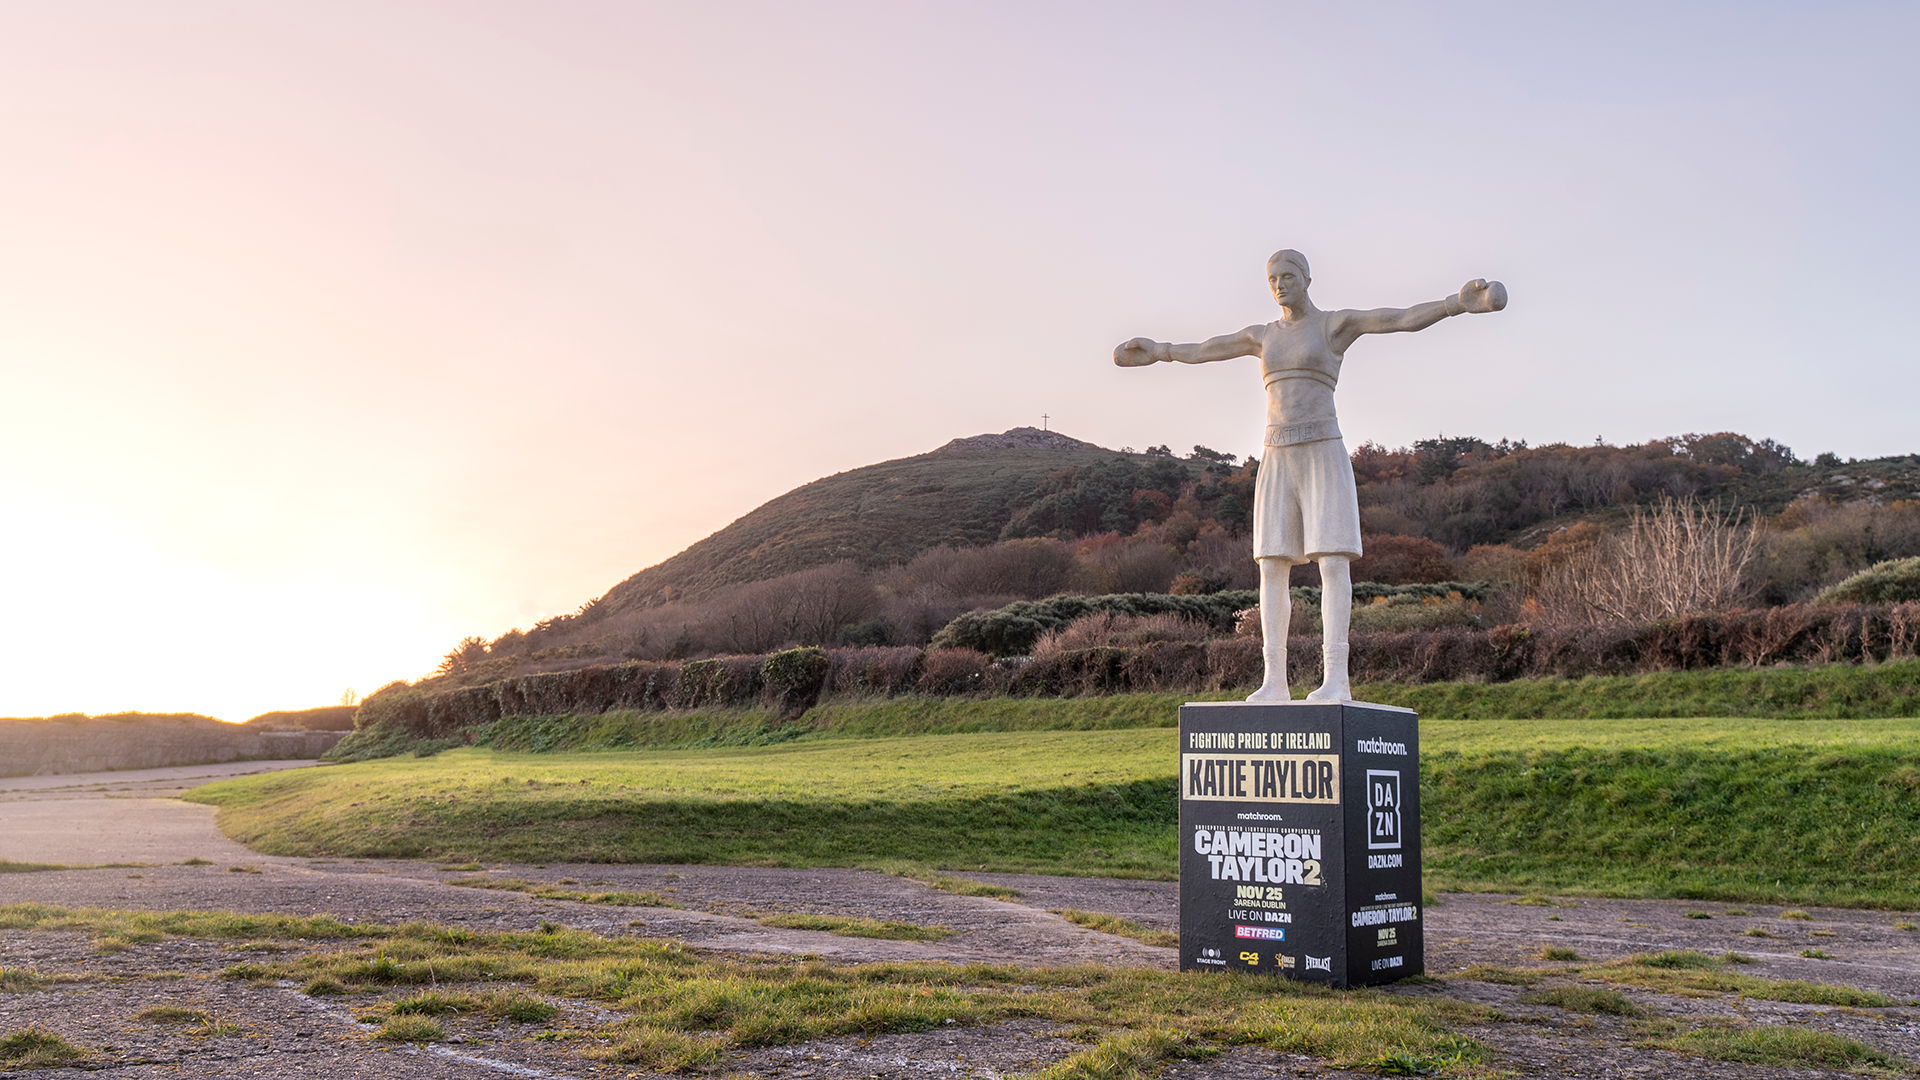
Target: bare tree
pixel 1681 557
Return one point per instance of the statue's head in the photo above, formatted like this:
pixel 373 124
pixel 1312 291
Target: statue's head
pixel 1288 276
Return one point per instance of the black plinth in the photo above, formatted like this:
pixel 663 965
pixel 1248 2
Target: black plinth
pixel 1300 841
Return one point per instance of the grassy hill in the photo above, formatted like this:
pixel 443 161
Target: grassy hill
pixel 873 516
pixel 966 493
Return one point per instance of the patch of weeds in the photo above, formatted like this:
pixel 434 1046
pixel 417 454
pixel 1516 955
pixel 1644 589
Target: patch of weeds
pixel 517 1007
pixel 664 1050
pixel 1699 975
pixel 1553 918
pixel 1505 976
pixel 554 892
pixel 1732 957
pixel 685 1010
pixel 1810 993
pixel 35 1047
pixel 1677 958
pixel 1758 931
pixel 431 1003
pixel 1124 1054
pixel 19 981
pixel 1114 924
pixel 1905 926
pixel 172 1014
pixel 1699 915
pixel 410 1029
pixel 1559 953
pixel 324 986
pixel 960 886
pixel 218 1029
pixel 8 866
pixel 1781 1046
pixel 243 869
pixel 1535 900
pixel 1816 954
pixel 1412 1063
pixel 248 972
pixel 1586 999
pixel 1821 933
pixel 866 928
pixel 1797 915
pixel 947 883
pixel 467 867
pixel 195 861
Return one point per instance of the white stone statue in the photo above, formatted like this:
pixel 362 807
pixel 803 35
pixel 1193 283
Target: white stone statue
pixel 1304 506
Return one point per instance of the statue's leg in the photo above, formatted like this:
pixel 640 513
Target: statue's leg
pixel 1336 612
pixel 1276 611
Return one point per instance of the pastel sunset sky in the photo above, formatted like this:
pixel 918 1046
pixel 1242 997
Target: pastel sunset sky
pixel 333 332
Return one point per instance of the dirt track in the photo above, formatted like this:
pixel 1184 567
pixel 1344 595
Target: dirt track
pixel 130 818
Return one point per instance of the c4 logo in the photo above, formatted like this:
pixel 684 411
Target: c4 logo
pixel 1251 958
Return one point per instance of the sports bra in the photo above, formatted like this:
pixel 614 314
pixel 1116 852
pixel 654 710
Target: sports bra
pixel 1319 364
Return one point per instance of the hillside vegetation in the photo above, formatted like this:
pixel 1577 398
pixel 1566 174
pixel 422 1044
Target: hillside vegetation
pixel 891 554
pixel 885 514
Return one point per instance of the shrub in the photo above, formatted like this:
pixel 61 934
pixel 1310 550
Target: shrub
pixel 1030 568
pixel 1014 629
pixel 1402 560
pixel 1890 582
pixel 1408 612
pixel 1107 628
pixel 726 680
pixel 396 705
pixel 952 671
pixel 795 677
pixel 1201 581
pixel 884 671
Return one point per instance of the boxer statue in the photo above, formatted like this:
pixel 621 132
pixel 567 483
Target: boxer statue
pixel 1305 507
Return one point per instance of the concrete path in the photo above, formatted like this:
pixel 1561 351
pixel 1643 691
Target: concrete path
pixel 92 819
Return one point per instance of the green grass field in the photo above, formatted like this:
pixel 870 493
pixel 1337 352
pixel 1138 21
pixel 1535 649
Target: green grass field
pixel 1756 810
pixel 1095 802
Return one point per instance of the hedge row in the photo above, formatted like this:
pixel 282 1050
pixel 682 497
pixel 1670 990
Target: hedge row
pixel 795 679
pixel 1015 629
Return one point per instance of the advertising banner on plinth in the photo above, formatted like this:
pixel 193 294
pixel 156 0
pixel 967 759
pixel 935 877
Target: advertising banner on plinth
pixel 1300 841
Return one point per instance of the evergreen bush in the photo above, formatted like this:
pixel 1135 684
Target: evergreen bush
pixel 1889 582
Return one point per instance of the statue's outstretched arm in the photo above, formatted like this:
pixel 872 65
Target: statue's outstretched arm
pixel 1143 351
pixel 1478 296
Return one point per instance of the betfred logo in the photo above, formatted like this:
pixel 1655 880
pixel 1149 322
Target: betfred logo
pixel 1261 933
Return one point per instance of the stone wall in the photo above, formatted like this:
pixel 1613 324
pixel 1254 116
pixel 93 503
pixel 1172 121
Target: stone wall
pixel 97 744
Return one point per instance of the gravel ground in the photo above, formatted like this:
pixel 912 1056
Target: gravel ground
pixel 129 817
